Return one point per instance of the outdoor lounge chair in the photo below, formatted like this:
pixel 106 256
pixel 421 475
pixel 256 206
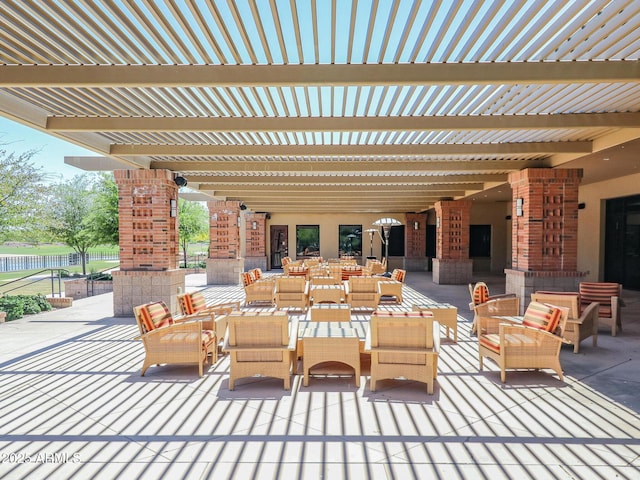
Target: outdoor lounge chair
pixel 194 304
pixel 580 326
pixel 257 288
pixel 169 340
pixel 362 292
pixel 523 342
pixel 480 294
pixel 403 345
pixel 609 297
pixel 292 292
pixel 261 343
pixel 498 307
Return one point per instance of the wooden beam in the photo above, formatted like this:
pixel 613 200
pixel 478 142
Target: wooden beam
pixel 338 124
pixel 315 151
pixel 369 166
pixel 154 76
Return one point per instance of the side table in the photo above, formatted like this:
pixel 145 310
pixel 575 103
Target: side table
pixel 331 342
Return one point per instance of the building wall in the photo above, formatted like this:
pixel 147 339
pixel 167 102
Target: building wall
pixel 329 224
pixel 591 221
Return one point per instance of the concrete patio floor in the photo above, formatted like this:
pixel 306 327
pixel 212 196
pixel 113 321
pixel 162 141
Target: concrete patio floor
pixel 73 405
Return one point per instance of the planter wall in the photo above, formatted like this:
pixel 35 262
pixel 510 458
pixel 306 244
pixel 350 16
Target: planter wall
pixel 82 288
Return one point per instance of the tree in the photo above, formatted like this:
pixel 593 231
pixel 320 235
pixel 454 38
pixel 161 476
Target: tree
pixel 21 194
pixel 193 221
pixel 72 202
pixel 104 218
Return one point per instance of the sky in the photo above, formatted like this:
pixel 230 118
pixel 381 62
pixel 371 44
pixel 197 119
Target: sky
pixel 17 138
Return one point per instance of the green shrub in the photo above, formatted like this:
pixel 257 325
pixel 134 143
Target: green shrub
pixel 13 307
pixel 18 305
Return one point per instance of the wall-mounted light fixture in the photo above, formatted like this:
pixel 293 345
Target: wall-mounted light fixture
pixel 254 225
pixel 582 206
pixel 519 205
pixel 173 207
pixel 416 225
pixel 438 222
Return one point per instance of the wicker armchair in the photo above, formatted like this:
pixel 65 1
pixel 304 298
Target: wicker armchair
pixel 194 305
pixel 174 341
pixel 258 289
pixel 498 307
pixel 261 343
pixel 523 342
pixel 580 326
pixel 362 292
pixel 292 292
pixel 480 294
pixel 403 344
pixel 609 297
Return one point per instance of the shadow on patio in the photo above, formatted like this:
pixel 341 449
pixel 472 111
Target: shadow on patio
pixel 73 405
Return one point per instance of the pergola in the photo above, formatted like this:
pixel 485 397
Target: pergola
pixel 305 106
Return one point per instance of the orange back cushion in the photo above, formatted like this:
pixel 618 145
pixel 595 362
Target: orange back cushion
pixel 194 302
pixel 480 293
pixel 544 317
pixel 155 315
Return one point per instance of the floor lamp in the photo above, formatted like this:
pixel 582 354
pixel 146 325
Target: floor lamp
pixel 386 224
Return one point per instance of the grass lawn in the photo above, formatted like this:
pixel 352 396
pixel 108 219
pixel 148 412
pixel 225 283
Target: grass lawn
pixel 43 283
pixel 48 249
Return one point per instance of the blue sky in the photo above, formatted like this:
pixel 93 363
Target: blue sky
pixel 15 137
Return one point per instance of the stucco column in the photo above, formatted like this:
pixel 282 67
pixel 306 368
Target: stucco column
pixel 224 264
pixel 148 231
pixel 544 231
pixel 452 264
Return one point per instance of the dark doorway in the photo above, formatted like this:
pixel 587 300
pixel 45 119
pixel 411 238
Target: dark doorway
pixel 622 242
pixel 279 244
pixel 396 242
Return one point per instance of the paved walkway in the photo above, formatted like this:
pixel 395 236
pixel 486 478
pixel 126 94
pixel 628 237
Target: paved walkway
pixel 73 405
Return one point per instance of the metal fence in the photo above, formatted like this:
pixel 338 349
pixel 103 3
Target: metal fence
pixel 32 262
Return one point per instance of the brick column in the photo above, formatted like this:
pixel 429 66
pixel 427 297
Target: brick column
pixel 452 264
pixel 224 264
pixel 148 241
pixel 416 243
pixel 544 231
pixel 255 252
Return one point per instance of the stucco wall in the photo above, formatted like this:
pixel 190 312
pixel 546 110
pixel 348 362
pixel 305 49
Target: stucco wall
pixel 329 224
pixel 591 221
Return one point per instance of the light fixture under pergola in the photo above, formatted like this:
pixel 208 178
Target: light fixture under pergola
pixel 386 224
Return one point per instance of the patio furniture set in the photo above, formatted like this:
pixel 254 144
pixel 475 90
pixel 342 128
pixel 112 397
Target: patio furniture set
pixel 534 339
pixel 400 343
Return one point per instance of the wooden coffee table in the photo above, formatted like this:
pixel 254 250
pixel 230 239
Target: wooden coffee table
pixel 327 294
pixel 444 313
pixel 331 342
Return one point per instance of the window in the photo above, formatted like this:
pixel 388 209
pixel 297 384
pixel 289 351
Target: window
pixel 350 240
pixel 307 241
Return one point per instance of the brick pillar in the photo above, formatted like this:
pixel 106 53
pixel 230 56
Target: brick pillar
pixel 255 252
pixel 224 264
pixel 148 241
pixel 416 243
pixel 452 264
pixel 544 231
